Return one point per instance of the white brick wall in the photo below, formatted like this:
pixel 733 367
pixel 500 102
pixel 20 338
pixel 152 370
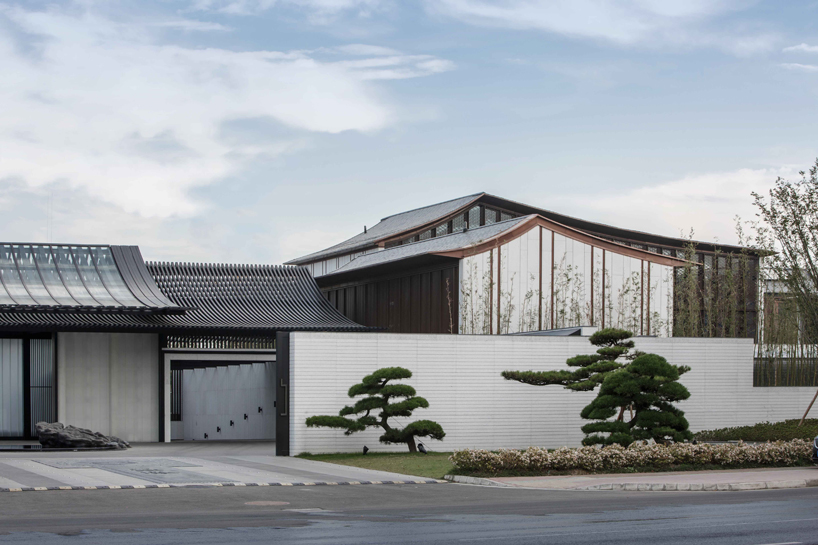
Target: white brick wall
pixel 460 377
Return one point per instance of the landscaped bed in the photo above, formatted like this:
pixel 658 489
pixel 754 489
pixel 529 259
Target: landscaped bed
pixel 635 458
pixel 764 431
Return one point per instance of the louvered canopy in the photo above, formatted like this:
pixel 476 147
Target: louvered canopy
pixel 110 288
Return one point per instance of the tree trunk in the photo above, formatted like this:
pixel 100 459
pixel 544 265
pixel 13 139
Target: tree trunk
pixel 411 442
pixel 808 408
pixel 621 416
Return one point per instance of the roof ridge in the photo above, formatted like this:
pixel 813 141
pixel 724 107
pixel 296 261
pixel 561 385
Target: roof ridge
pixel 435 204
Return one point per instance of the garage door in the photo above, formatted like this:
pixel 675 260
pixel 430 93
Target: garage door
pixel 225 402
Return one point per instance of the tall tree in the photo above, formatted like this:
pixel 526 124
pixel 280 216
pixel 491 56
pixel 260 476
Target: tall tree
pixel 790 227
pixel 649 385
pixel 392 400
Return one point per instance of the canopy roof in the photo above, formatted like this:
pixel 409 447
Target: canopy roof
pixel 110 288
pixel 79 278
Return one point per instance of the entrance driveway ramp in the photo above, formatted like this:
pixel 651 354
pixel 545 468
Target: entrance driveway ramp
pixel 175 465
pixel 676 481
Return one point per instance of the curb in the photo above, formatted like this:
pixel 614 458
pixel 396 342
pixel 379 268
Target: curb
pixel 700 487
pixel 462 479
pixel 211 485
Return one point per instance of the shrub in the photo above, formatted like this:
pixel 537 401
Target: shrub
pixel 637 455
pixel 763 431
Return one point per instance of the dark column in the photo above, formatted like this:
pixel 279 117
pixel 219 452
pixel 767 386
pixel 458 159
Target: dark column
pixel 282 393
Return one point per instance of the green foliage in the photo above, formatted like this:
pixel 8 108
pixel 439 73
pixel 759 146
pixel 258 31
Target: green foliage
pixel 648 387
pixel 764 431
pixel 392 400
pixel 591 369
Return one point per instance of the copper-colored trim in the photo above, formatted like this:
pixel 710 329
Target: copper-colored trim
pixel 603 289
pixel 642 298
pixel 552 281
pixel 539 291
pixel 499 290
pixel 592 284
pixel 526 225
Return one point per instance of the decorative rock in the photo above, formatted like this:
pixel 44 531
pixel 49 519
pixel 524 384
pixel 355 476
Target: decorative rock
pixel 57 435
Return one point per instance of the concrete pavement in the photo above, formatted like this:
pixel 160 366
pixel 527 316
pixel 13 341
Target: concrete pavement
pixel 169 465
pixel 728 480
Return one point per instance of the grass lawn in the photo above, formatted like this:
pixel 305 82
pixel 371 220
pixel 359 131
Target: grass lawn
pixel 433 465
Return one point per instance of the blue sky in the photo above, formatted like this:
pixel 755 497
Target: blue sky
pixel 261 130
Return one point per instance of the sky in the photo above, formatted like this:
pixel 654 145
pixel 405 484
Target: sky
pixel 257 131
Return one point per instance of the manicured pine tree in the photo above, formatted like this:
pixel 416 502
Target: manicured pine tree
pixel 649 386
pixel 591 369
pixel 391 400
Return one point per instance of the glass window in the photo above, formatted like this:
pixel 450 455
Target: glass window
pixel 505 216
pixel 458 223
pixel 425 235
pixel 31 278
pixel 442 230
pixel 491 216
pixel 474 217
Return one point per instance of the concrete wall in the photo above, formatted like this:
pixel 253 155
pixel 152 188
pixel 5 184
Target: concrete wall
pixel 109 382
pixel 460 377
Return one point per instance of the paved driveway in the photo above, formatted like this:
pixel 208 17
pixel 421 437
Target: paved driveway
pixel 153 465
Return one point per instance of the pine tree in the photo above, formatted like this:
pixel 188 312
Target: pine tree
pixel 393 400
pixel 591 369
pixel 649 386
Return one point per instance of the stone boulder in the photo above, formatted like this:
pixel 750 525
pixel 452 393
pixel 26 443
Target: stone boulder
pixel 57 435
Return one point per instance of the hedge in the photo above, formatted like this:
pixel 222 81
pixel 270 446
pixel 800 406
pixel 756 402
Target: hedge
pixel 616 457
pixel 764 431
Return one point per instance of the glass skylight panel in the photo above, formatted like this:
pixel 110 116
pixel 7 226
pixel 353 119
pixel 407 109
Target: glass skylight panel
pixel 70 276
pixel 50 275
pixel 90 277
pixel 11 278
pixel 112 279
pixel 30 275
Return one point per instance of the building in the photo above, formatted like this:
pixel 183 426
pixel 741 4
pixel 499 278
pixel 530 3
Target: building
pixel 95 337
pixel 487 265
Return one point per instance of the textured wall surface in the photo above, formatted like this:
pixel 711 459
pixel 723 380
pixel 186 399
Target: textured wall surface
pixel 109 382
pixel 460 377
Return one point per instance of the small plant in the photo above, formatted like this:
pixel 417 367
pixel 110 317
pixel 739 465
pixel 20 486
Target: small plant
pixel 392 400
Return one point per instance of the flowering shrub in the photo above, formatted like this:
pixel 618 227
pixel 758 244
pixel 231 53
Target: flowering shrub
pixel 613 457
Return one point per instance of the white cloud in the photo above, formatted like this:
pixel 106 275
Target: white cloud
pixel 316 7
pixel 190 25
pixel 624 22
pixel 799 67
pixel 106 107
pixel 801 48
pixel 707 203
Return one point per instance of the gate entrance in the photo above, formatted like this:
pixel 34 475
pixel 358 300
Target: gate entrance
pixel 228 401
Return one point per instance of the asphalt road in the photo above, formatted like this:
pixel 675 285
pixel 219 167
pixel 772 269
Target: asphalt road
pixel 400 514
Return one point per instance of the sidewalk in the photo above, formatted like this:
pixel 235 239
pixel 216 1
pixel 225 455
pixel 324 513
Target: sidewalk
pixel 729 480
pixel 172 465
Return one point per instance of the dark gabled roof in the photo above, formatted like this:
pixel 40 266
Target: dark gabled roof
pixel 446 243
pixel 78 278
pixel 442 249
pixel 413 221
pixel 252 300
pixel 390 226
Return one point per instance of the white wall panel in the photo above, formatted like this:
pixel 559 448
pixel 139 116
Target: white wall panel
pixel 11 388
pixel 460 377
pixel 108 382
